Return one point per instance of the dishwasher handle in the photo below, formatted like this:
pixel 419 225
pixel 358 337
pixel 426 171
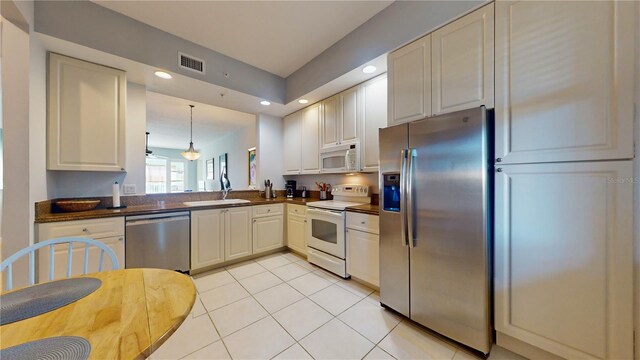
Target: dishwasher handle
pixel 155 220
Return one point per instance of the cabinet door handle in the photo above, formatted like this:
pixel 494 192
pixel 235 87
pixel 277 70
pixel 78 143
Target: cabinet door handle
pixel 85 230
pixel 499 160
pixel 121 239
pixel 499 170
pixel 362 222
pixel 254 220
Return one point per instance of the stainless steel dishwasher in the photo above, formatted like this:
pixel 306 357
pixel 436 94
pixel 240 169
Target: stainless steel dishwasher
pixel 158 241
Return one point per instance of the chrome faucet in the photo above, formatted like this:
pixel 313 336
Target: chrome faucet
pixel 225 191
pixel 225 186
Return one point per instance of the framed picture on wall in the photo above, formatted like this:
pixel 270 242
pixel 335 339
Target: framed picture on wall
pixel 252 167
pixel 210 169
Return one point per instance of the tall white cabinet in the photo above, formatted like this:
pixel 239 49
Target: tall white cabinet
pixel 462 63
pixel 86 116
pixel 564 80
pixel 564 258
pixel 564 178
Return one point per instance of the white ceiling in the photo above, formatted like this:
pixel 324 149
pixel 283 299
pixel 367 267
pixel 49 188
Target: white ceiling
pixel 276 36
pixel 168 122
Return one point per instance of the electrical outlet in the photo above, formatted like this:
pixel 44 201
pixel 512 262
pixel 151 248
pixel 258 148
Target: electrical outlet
pixel 129 189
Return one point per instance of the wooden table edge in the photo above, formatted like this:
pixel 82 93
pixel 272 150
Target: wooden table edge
pixel 162 339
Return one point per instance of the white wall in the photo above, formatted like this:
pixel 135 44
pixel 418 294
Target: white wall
pixel 40 182
pixel 637 183
pixel 86 183
pixel 269 152
pixel 15 114
pixel 236 145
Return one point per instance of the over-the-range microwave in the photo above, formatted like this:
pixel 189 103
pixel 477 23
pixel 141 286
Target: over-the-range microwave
pixel 342 158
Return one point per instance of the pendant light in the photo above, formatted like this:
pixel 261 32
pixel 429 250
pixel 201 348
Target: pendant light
pixel 191 153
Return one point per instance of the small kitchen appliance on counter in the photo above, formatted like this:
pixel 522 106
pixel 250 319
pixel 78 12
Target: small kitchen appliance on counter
pixel 291 188
pixel 326 227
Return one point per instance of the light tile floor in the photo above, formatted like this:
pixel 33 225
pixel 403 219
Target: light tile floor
pixel 281 307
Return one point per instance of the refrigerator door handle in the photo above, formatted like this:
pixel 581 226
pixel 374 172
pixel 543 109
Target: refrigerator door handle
pixel 403 196
pixel 411 153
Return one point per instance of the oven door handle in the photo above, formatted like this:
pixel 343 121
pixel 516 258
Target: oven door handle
pixel 318 212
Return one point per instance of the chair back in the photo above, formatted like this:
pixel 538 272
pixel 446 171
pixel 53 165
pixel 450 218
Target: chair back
pixel 31 250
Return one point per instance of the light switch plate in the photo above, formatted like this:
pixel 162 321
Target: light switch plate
pixel 129 188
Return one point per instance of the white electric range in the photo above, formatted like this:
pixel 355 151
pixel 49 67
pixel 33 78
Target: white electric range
pixel 326 227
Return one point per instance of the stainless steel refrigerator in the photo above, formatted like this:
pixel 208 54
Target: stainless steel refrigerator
pixel 435 224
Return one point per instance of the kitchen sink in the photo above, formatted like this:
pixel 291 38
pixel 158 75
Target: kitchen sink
pixel 216 202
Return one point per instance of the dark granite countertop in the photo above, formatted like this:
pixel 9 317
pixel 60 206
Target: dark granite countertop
pixel 365 209
pixel 157 208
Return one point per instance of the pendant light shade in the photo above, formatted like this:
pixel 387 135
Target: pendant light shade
pixel 191 153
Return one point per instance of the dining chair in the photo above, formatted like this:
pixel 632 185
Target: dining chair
pixel 8 262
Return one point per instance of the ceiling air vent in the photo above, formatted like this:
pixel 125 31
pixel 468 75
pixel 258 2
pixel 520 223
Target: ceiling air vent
pixel 190 63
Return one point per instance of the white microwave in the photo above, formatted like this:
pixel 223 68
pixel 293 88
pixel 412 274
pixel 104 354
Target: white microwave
pixel 344 158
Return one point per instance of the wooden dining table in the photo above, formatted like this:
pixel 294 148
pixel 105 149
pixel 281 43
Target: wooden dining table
pixel 129 316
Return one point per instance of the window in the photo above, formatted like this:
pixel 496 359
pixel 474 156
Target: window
pixel 165 175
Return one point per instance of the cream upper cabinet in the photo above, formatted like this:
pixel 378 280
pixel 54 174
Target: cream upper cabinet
pixel 564 257
pixel 330 122
pixel 409 73
pixel 237 233
pixel 292 143
pixel 374 117
pixel 462 62
pixel 340 119
pixel 349 116
pixel 564 80
pixel 207 237
pixel 311 139
pixel 86 116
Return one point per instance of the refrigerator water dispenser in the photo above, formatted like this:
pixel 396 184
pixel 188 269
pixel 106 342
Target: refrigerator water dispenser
pixel 391 194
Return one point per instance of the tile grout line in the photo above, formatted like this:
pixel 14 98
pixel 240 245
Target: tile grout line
pixel 221 338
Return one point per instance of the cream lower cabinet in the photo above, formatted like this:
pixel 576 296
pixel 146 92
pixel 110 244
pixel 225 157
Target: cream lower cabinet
pixel 564 80
pixel 268 227
pixel 363 247
pixel 564 258
pixel 237 233
pixel 110 231
pixel 220 235
pixel 296 225
pixel 207 237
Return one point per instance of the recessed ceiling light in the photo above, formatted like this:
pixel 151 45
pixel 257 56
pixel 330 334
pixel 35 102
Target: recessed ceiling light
pixel 368 69
pixel 303 101
pixel 265 102
pixel 163 74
